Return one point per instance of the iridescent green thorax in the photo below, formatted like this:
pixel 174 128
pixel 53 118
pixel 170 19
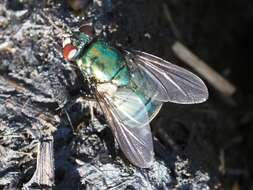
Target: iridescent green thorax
pixel 105 63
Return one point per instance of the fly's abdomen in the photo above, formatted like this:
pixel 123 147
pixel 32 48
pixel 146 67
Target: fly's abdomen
pixel 152 106
pixel 139 83
pixel 105 63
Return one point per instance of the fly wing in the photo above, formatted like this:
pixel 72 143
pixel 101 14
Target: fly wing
pixel 144 81
pixel 127 116
pixel 175 84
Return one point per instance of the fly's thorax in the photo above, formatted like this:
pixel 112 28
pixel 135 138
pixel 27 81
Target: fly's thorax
pixel 74 45
pixel 105 63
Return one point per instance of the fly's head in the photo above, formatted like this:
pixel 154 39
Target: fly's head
pixel 74 46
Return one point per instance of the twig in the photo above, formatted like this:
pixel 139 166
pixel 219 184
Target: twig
pixel 222 167
pixel 44 173
pixel 215 79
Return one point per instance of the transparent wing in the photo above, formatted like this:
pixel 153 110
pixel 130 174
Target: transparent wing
pixel 128 118
pixel 144 81
pixel 172 82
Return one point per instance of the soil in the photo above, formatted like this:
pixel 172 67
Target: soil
pixel 206 146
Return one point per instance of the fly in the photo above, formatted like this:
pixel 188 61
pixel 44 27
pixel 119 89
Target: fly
pixel 130 87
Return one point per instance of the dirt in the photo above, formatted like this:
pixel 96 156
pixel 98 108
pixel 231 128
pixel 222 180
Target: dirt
pixel 206 146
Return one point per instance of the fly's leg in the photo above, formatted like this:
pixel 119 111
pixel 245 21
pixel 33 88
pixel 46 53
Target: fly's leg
pixel 69 119
pixel 91 103
pixel 91 106
pixel 68 109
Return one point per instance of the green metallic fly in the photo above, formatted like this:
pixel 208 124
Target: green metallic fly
pixel 130 88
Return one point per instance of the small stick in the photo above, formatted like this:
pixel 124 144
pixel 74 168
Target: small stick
pixel 215 79
pixel 44 174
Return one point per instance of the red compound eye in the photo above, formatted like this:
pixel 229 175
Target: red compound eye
pixel 87 29
pixel 69 52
